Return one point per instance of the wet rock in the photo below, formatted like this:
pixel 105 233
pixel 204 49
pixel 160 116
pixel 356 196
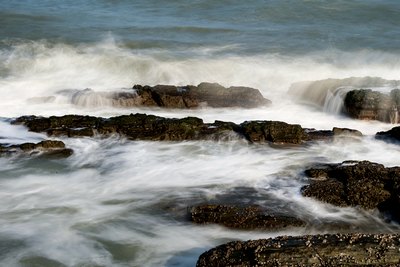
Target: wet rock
pixel 249 217
pixel 48 148
pixel 320 92
pixel 310 250
pixel 356 183
pixel 150 127
pixel 134 126
pixel 366 104
pixel 273 131
pixel 345 132
pixel 329 135
pixel 393 134
pixel 205 94
pixel 68 125
pixel 353 96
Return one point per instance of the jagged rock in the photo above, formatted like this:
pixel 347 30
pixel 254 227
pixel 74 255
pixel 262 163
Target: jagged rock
pixel 311 250
pixel 249 217
pixel 392 134
pixel 134 126
pixel 366 104
pixel 356 183
pixel 150 127
pixel 273 131
pixel 50 148
pixel 205 94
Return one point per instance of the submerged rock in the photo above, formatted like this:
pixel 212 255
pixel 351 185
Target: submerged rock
pixel 311 250
pixel 50 148
pixel 249 217
pixel 356 183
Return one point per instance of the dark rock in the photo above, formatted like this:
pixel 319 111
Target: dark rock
pixel 68 125
pixel 364 184
pixel 327 135
pixel 359 101
pixel 318 250
pixel 205 94
pixel 318 92
pixel 150 127
pixel 273 131
pixel 366 104
pixel 250 217
pixel 47 148
pixel 392 134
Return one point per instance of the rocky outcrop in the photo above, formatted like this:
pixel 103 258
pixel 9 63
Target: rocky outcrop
pixel 134 127
pixel 318 250
pixel 205 94
pixel 273 131
pixel 366 104
pixel 166 96
pixel 329 135
pixel 393 134
pixel 49 148
pixel 353 96
pixel 150 127
pixel 356 183
pixel 238 217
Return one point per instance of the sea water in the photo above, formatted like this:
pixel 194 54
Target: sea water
pixel 116 202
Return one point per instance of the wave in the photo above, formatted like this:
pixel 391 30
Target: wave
pixel 36 69
pixel 330 93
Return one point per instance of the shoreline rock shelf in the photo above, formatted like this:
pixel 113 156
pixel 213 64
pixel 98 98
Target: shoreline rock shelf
pixel 241 217
pixel 48 148
pixel 312 250
pixel 366 104
pixel 166 96
pixel 205 94
pixel 356 97
pixel 356 183
pixel 150 127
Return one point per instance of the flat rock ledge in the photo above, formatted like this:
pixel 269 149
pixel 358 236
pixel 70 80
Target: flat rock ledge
pixel 361 184
pixel 150 127
pixel 238 217
pixel 48 148
pixel 311 250
pixel 166 96
pixel 205 94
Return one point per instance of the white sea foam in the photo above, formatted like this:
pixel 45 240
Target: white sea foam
pixel 118 200
pixel 123 202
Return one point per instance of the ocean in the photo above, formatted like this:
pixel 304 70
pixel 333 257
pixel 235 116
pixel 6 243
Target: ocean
pixel 116 202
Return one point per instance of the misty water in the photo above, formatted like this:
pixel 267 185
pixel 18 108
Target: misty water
pixel 116 202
